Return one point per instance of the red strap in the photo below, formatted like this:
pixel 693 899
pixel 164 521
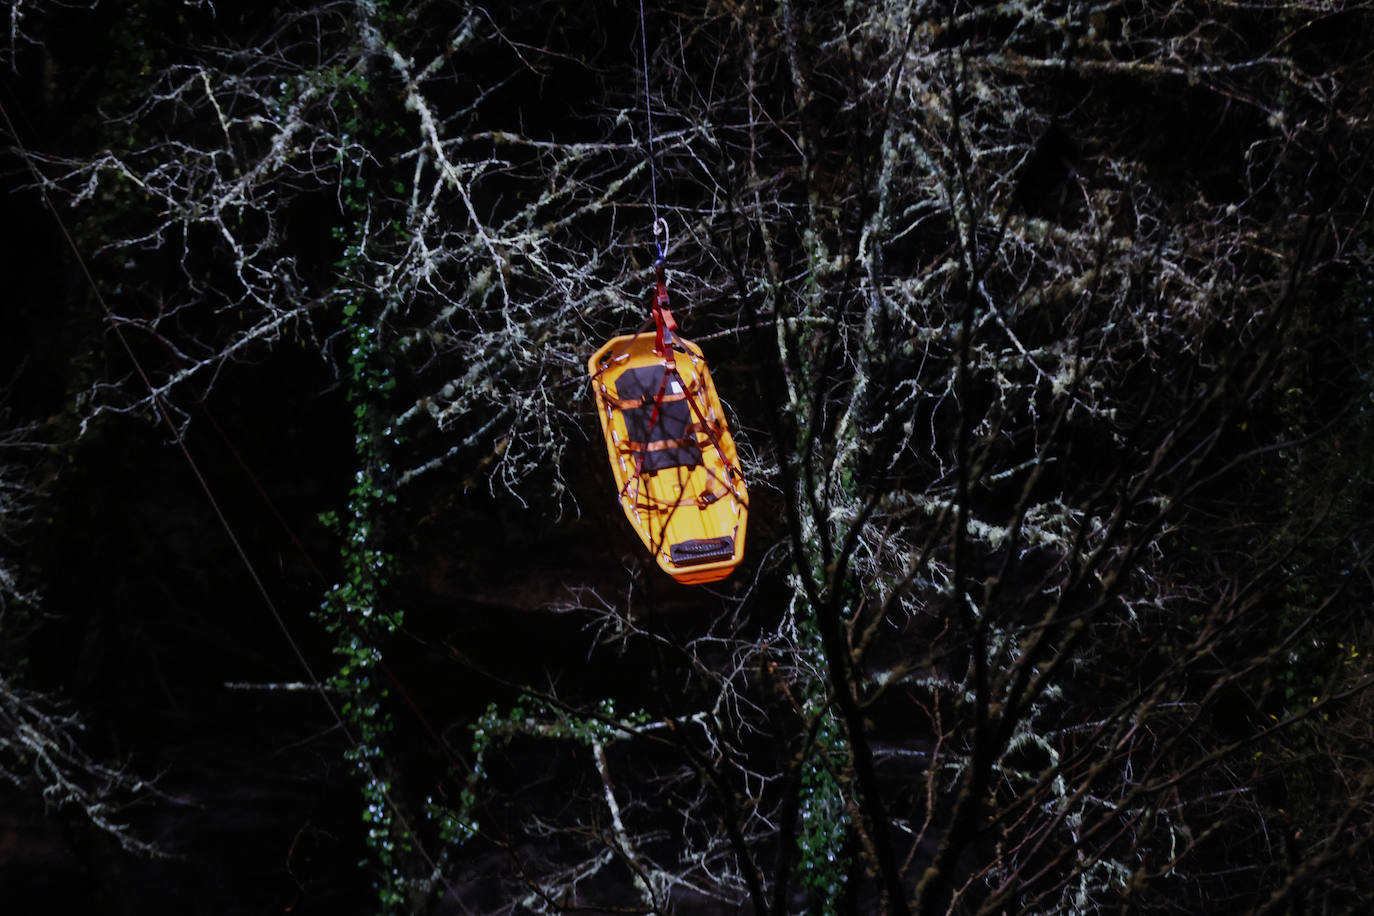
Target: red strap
pixel 664 324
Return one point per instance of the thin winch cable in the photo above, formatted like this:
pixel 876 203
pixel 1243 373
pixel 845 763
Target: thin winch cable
pixel 649 115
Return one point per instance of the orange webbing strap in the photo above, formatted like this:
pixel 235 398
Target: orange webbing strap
pixel 643 401
pixel 711 428
pixel 715 490
pixel 688 390
pixel 711 493
pixel 659 445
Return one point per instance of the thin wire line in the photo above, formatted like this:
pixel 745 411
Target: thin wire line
pixel 323 580
pixel 648 109
pixel 162 411
pixel 205 487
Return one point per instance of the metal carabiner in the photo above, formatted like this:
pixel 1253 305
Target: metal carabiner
pixel 661 231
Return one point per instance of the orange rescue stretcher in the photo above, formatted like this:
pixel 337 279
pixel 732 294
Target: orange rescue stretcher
pixel 674 461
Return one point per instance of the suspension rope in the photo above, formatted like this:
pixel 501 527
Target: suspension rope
pixel 649 121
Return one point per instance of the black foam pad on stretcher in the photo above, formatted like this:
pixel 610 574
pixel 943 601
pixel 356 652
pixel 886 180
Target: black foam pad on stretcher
pixel 674 416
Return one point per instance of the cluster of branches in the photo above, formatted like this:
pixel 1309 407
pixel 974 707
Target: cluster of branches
pixel 1022 365
pixel 1059 322
pixel 1075 574
pixel 481 245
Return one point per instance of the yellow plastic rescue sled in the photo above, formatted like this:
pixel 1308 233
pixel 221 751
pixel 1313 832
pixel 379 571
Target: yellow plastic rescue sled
pixel 674 461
